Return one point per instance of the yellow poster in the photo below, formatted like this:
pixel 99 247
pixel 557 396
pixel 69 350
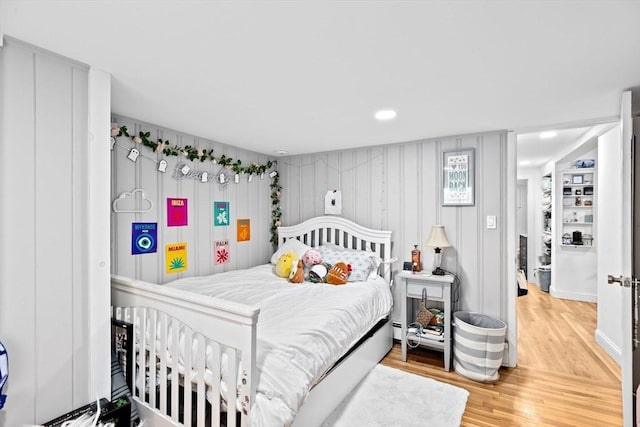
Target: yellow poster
pixel 176 257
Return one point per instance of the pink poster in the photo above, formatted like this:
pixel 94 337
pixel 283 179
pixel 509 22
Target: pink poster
pixel 176 212
pixel 221 251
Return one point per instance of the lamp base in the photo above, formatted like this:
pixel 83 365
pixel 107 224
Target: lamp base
pixel 438 272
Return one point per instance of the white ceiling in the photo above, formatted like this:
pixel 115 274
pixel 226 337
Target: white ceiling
pixel 538 151
pixel 308 76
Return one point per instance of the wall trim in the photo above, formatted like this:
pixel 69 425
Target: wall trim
pixel 577 296
pixel 609 346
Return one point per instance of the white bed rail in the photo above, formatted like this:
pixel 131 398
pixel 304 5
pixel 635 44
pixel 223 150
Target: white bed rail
pixel 219 330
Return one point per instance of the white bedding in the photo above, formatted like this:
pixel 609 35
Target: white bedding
pixel 303 329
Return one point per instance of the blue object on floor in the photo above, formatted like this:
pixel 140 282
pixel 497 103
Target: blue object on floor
pixel 4 372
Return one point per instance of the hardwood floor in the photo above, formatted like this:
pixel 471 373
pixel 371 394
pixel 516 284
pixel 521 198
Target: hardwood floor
pixel 563 377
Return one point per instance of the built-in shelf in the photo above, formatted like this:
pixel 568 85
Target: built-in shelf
pixel 577 219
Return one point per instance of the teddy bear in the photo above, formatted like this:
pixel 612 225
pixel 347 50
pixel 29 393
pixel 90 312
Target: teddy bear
pixel 297 272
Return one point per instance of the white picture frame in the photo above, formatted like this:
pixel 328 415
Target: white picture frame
pixel 458 177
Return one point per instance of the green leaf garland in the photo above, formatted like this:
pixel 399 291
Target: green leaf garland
pixel 193 153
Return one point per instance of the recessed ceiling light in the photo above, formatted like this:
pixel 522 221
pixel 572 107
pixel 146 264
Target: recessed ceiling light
pixel 525 162
pixel 548 134
pixel 385 115
pixel 281 152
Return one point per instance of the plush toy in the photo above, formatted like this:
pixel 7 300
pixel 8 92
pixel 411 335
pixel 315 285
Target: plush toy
pixel 297 272
pixel 318 273
pixel 312 257
pixel 338 274
pixel 284 264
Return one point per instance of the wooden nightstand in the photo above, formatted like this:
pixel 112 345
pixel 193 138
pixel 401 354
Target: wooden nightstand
pixel 438 289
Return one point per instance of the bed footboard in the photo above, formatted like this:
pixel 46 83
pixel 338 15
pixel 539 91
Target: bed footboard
pixel 194 356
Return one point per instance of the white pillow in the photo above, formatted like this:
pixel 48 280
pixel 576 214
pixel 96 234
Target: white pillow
pixel 375 259
pixel 364 264
pixel 294 245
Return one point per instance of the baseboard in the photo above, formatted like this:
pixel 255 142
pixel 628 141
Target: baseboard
pixel 397 331
pixel 505 355
pixel 609 346
pixel 577 296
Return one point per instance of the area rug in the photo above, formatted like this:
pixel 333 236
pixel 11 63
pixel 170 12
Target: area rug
pixel 390 397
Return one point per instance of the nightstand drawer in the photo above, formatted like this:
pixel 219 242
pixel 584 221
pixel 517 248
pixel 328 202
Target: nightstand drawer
pixel 414 290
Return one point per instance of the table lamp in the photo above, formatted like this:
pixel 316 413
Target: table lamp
pixel 438 240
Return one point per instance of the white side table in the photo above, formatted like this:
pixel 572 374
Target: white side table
pixel 438 289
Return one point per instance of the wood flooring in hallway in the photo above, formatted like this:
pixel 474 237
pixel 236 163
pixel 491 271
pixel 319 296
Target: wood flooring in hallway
pixel 563 377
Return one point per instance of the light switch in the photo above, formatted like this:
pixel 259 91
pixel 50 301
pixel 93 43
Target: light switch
pixel 491 222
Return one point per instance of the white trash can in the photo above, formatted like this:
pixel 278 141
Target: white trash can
pixel 478 345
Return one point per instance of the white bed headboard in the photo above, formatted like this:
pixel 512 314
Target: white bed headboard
pixel 342 232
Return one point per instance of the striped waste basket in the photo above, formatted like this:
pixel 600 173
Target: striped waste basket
pixel 478 345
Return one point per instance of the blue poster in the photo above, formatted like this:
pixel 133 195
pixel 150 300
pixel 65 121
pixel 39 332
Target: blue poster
pixel 144 238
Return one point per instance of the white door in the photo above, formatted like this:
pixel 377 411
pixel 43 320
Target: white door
pixel 629 265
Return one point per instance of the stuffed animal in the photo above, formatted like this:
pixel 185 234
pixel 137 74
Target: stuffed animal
pixel 318 273
pixel 338 274
pixel 312 257
pixel 297 272
pixel 284 264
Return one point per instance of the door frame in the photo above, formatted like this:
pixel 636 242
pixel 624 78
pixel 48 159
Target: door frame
pixel 511 222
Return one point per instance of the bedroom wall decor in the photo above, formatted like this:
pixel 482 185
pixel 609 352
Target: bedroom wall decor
pixel 176 257
pixel 191 153
pixel 221 215
pixel 202 152
pixel 144 238
pixel 126 202
pixel 276 212
pixel 458 171
pixel 177 212
pixel 333 202
pixel 258 200
pixel 244 230
pixel 221 251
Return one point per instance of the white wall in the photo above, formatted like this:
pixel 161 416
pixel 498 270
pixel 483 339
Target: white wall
pixel 398 187
pixel 45 289
pixel 99 235
pixel 521 207
pixel 609 326
pixel 533 177
pixel 246 199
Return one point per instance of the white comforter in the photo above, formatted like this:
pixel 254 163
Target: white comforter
pixel 303 329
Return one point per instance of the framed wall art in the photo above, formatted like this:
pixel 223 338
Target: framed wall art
pixel 458 177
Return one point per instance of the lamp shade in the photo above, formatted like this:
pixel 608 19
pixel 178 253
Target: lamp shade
pixel 438 237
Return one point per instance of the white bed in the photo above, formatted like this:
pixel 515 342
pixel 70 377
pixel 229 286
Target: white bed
pixel 294 351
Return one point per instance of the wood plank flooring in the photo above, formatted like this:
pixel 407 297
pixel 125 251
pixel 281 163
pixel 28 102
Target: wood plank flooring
pixel 563 377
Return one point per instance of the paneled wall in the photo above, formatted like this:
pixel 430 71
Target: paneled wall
pixel 398 187
pixel 250 200
pixel 44 224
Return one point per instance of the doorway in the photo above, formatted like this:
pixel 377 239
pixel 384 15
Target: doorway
pixel 568 233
